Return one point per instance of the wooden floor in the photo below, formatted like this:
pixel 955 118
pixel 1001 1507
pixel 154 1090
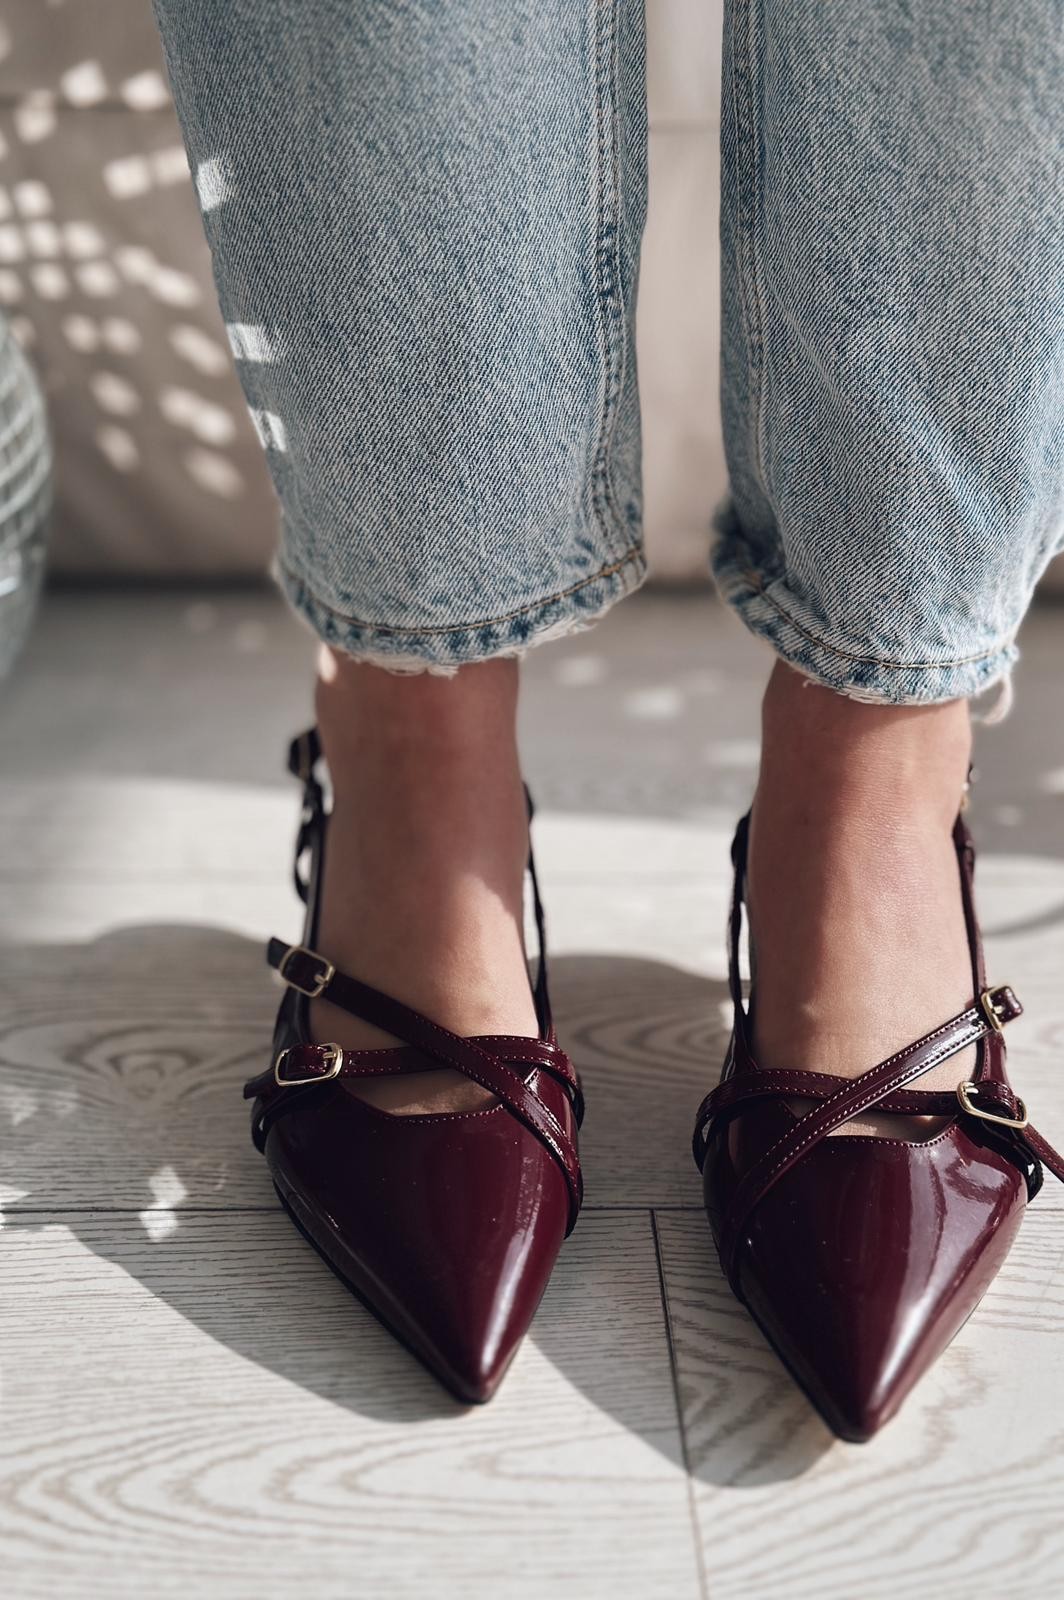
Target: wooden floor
pixel 190 1405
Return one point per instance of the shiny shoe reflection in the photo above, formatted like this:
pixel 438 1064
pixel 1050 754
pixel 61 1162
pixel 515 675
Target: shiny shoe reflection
pixel 861 1258
pixel 448 1225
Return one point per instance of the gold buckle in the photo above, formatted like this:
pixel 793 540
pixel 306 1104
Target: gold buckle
pixel 322 979
pixel 993 1014
pixel 965 1097
pixel 334 1056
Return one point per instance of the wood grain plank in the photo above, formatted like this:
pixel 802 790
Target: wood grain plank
pixel 208 1412
pixel 958 1497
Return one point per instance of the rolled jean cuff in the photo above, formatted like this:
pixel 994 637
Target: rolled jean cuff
pixel 772 609
pixel 443 650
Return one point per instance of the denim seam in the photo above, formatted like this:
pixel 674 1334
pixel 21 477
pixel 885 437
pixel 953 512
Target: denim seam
pixel 747 212
pixel 610 318
pixel 635 553
pixel 757 584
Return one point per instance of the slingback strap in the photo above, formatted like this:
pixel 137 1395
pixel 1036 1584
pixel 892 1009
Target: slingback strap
pixel 304 755
pixel 312 974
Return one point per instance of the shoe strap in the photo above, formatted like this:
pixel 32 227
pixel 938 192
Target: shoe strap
pixel 315 976
pixel 838 1100
pixel 311 1062
pixel 304 755
pixel 883 1087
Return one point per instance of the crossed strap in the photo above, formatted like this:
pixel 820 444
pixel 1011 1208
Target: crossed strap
pixel 503 1064
pixel 988 1099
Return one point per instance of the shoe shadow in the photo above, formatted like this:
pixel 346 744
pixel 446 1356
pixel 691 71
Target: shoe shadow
pixel 122 1061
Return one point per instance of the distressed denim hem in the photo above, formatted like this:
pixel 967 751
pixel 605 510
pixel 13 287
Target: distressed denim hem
pixel 443 650
pixel 771 610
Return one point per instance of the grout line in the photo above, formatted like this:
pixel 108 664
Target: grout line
pixel 703 1577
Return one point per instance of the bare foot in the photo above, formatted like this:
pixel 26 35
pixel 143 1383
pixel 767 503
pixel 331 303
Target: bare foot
pixel 424 861
pixel 856 917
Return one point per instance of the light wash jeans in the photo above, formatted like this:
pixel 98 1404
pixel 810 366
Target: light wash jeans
pixel 425 219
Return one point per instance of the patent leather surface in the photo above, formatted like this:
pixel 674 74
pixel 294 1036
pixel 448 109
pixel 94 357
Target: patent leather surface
pixel 861 1257
pixel 448 1225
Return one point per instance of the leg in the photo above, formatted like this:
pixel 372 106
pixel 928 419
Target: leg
pixel 893 228
pixel 424 224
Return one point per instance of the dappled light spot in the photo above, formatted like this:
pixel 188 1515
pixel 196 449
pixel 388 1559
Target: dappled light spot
pixel 12 247
pixel 97 278
pixel 128 176
pixel 121 335
pixel 213 183
pixel 34 118
pixel 580 672
pixel 50 281
pixel 84 85
pixel 735 754
pixel 43 239
pixel 119 447
pixel 115 394
pixel 81 333
pixel 32 199
pixel 270 429
pixel 215 473
pixel 654 705
pixel 250 341
pixel 10 287
pixel 146 91
pixel 199 349
pixel 82 239
pixel 209 422
pixel 168 1191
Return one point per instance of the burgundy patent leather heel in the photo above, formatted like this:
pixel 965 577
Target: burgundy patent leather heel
pixel 447 1226
pixel 860 1258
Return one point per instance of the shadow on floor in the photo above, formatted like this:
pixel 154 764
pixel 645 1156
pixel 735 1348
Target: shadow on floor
pixel 123 1122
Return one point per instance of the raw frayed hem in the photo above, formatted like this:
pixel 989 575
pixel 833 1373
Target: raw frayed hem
pixel 441 652
pixel 772 613
pixel 997 711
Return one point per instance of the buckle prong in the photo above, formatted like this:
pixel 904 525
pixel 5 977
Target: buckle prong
pixel 964 1095
pixel 334 1059
pixel 322 979
pixel 994 1013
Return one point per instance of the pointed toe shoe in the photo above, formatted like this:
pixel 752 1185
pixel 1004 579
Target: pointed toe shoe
pixel 447 1226
pixel 861 1258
